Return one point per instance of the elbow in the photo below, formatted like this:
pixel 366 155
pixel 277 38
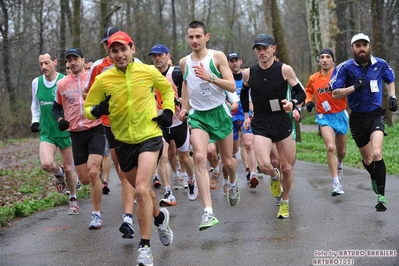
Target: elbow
pixel 232 87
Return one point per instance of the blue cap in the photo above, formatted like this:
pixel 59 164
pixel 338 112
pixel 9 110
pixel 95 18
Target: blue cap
pixel 159 49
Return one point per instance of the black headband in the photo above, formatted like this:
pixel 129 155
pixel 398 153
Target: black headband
pixel 327 51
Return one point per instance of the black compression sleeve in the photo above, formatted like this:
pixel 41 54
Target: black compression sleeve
pixel 177 77
pixel 57 111
pixel 300 95
pixel 244 98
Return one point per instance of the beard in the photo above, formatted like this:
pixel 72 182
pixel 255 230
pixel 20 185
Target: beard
pixel 362 59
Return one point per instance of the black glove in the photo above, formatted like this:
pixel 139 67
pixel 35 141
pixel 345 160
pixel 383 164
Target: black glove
pixel 360 83
pixel 63 125
pixel 310 106
pixel 393 104
pixel 102 108
pixel 164 119
pixel 34 127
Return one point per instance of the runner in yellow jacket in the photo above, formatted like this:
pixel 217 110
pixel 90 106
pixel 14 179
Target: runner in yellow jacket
pixel 125 93
pixel 132 104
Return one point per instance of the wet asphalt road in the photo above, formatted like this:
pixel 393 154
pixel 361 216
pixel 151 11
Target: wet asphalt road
pixel 249 234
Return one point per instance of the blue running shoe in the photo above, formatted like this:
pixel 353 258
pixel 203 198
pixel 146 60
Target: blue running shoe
pixel 126 228
pixel 95 222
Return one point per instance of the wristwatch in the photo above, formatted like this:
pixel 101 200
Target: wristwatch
pixel 213 77
pixel 294 104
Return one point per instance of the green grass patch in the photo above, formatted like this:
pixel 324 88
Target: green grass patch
pixel 32 204
pixel 24 187
pixel 308 118
pixel 312 149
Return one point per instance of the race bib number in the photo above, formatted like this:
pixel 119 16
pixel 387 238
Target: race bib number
pixel 205 89
pixel 274 105
pixel 326 106
pixel 374 86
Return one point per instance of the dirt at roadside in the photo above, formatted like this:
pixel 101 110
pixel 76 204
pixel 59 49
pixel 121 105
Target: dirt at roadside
pixel 16 154
pixel 16 159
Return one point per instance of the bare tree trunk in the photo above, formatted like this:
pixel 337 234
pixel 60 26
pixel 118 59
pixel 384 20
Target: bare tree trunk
pixel 230 23
pixel 6 51
pixel 160 5
pixel 346 26
pixel 328 23
pixel 377 20
pixel 76 23
pixel 278 34
pixel 103 21
pixel 41 27
pixel 192 10
pixel 267 13
pixel 68 16
pixel 209 12
pixel 174 31
pixel 314 31
pixel 63 6
pixel 129 17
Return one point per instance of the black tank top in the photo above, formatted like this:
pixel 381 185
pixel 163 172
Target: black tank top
pixel 267 84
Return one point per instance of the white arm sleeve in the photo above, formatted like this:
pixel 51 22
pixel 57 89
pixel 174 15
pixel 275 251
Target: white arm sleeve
pixel 35 108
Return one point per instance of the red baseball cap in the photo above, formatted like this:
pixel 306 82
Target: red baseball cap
pixel 120 37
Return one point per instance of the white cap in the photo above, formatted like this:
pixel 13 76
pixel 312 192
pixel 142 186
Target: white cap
pixel 360 36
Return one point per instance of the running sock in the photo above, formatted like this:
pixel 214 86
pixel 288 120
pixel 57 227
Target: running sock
pixel 128 215
pixel 208 209
pixel 128 218
pixel 216 169
pixel 167 188
pixel 144 242
pixel 340 165
pixel 233 184
pixel 72 196
pixel 60 172
pixel 97 212
pixel 159 219
pixel 380 176
pixel 336 180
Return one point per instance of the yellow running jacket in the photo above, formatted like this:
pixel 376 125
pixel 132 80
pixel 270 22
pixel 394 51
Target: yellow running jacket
pixel 132 105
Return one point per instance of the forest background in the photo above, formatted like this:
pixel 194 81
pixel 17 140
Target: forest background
pixel 301 29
